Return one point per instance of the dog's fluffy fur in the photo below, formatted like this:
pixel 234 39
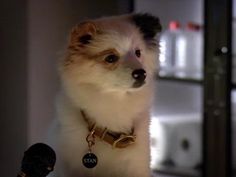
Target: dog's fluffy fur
pixel 106 92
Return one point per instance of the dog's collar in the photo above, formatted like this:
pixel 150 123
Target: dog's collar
pixel 116 139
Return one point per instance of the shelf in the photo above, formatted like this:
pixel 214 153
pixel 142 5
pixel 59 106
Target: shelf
pixel 185 80
pixel 174 171
pixel 180 79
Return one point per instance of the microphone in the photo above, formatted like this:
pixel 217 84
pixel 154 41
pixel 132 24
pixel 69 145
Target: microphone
pixel 38 161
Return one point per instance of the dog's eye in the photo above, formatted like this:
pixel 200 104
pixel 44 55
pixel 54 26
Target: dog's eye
pixel 111 58
pixel 138 53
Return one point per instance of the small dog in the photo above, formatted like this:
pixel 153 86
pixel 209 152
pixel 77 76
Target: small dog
pixel 107 76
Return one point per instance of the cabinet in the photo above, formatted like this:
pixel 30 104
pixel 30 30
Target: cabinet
pixel 211 97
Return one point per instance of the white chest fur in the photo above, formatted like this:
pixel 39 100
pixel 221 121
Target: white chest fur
pixel 68 138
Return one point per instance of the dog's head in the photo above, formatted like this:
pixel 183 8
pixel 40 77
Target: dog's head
pixel 114 54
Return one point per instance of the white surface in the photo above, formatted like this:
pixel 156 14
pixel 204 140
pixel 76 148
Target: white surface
pixel 173 98
pixel 167 135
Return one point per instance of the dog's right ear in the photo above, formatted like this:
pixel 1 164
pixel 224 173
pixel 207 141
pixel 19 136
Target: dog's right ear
pixel 81 35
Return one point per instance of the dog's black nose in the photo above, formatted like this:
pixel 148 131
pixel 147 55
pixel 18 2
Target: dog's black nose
pixel 139 75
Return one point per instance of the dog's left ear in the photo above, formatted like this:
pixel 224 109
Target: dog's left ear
pixel 82 34
pixel 149 25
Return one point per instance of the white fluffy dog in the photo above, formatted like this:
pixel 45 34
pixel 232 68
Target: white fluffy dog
pixel 102 128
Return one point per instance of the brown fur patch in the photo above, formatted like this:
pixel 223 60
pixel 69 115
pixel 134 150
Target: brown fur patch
pixel 78 33
pixel 98 57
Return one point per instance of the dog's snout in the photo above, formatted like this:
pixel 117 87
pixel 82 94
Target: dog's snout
pixel 139 75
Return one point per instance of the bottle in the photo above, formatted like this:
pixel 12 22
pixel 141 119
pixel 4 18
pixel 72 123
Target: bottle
pixel 167 48
pixel 189 52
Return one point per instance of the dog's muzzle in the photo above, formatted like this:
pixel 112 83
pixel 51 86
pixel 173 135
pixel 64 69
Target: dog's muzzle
pixel 139 75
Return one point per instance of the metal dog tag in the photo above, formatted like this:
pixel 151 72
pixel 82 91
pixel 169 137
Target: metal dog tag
pixel 90 160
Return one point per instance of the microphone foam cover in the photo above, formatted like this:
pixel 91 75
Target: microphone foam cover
pixel 38 160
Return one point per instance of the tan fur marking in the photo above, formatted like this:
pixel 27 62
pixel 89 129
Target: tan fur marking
pixel 99 57
pixel 85 28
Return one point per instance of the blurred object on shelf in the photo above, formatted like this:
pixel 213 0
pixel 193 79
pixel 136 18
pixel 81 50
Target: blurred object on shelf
pixel 181 51
pixel 168 47
pixel 234 8
pixel 234 36
pixel 176 140
pixel 234 129
pixel 189 52
pixel 234 50
pixel 234 70
pixel 188 144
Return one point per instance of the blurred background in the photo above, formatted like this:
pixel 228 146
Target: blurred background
pixel 192 127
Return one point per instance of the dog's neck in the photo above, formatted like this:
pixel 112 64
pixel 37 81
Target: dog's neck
pixel 118 111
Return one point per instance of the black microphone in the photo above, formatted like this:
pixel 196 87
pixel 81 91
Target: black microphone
pixel 38 161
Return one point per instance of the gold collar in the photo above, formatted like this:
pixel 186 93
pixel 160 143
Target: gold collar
pixel 116 139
